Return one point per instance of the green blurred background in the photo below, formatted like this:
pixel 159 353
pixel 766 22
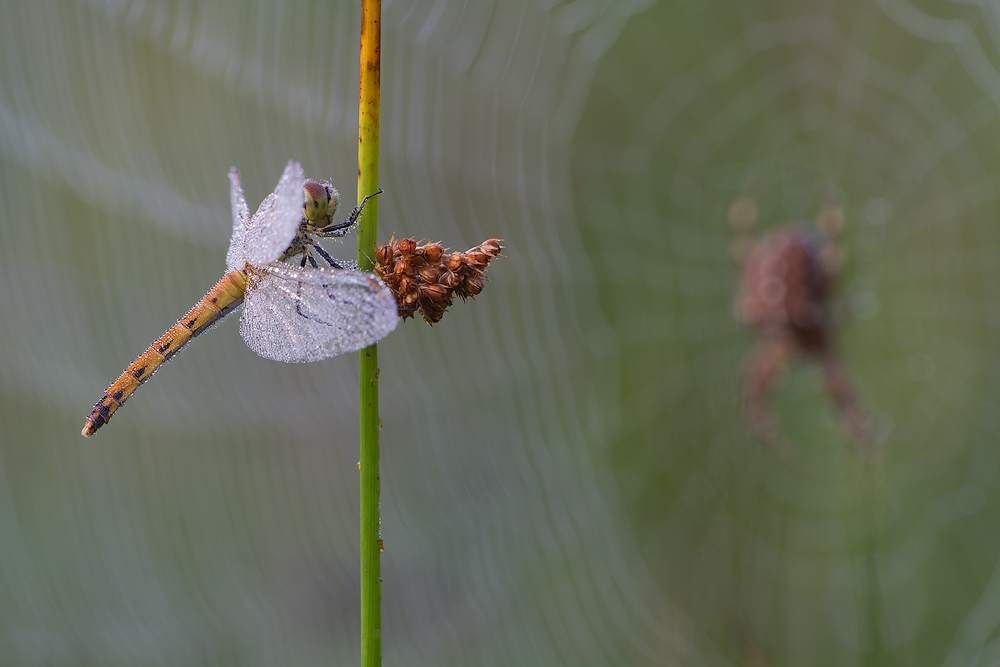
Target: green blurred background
pixel 567 476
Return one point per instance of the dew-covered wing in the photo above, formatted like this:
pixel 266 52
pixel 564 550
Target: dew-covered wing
pixel 270 231
pixel 293 314
pixel 241 216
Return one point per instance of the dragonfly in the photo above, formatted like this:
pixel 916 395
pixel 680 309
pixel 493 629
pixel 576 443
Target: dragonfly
pixel 290 313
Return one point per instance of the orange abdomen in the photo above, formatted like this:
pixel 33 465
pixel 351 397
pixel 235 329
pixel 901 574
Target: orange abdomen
pixel 219 302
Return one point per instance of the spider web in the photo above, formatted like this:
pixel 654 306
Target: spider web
pixel 567 477
pixel 823 562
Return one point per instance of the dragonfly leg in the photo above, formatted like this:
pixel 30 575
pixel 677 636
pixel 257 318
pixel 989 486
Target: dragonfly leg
pixel 342 227
pixel 325 255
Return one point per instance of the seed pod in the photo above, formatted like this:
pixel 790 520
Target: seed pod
pixel 407 246
pixel 410 298
pixel 405 284
pixel 450 279
pixel 491 247
pixel 470 287
pixel 383 256
pixel 433 251
pixel 404 265
pixel 477 259
pixel 435 292
pixel 430 273
pixel 432 314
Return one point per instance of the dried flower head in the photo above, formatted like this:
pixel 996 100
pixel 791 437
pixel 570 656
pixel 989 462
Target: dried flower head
pixel 426 277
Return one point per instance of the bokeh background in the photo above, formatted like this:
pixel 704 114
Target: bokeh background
pixel 567 475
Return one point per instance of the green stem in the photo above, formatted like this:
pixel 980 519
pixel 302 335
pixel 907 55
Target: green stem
pixel 368 140
pixel 371 579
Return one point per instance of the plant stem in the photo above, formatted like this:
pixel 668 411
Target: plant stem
pixel 368 140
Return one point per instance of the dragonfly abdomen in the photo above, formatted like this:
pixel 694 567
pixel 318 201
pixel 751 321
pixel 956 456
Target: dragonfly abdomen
pixel 221 300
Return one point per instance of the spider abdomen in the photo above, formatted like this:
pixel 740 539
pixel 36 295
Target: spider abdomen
pixel 784 284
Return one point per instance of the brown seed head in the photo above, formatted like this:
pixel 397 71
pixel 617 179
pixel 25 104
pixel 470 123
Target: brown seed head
pixel 427 277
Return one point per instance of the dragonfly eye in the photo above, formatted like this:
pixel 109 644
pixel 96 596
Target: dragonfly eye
pixel 321 203
pixel 317 201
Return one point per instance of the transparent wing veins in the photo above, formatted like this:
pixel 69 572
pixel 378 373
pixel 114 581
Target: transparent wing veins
pixel 269 232
pixel 298 315
pixel 241 216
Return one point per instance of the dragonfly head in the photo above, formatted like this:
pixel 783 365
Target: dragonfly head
pixel 321 203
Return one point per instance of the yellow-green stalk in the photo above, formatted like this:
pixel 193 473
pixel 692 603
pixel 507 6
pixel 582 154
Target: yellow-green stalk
pixel 368 140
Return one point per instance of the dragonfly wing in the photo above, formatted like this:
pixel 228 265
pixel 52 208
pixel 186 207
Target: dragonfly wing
pixel 273 227
pixel 241 216
pixel 295 315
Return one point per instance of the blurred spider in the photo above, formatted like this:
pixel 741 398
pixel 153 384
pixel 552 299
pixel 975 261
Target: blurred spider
pixel 788 277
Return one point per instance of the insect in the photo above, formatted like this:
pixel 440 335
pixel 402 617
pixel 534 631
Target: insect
pixel 290 313
pixel 787 279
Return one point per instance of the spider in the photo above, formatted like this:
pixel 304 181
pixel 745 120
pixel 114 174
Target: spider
pixel 784 292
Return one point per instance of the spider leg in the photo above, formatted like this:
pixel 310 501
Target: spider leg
pixel 312 262
pixel 849 408
pixel 742 219
pixel 302 264
pixel 770 359
pixel 830 221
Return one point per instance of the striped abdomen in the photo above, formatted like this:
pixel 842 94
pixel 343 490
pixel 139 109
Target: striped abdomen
pixel 219 302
